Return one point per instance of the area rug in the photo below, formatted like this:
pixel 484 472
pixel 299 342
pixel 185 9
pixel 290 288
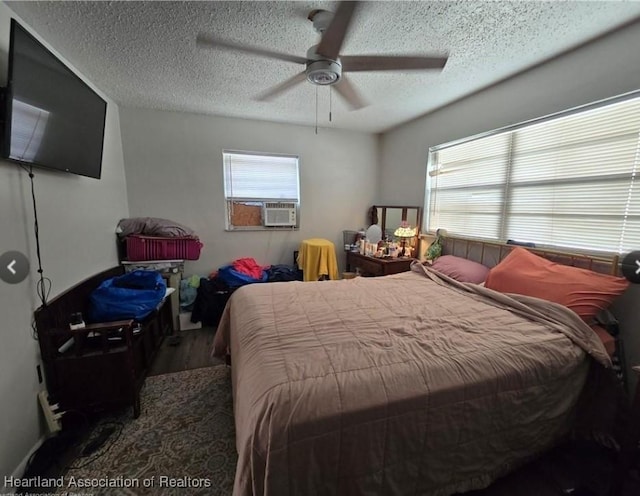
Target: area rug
pixel 182 443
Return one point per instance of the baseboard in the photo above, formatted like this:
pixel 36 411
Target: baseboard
pixel 186 324
pixel 19 470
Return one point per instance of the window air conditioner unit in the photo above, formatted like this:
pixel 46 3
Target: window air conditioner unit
pixel 280 215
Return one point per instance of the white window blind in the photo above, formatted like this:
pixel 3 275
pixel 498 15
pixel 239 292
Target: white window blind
pixel 249 176
pixel 568 181
pixel 467 187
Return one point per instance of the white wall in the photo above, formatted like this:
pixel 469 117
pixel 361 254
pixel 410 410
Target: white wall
pixel 77 218
pixel 605 68
pixel 174 170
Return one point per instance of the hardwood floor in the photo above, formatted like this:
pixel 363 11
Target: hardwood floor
pixel 575 468
pixel 191 351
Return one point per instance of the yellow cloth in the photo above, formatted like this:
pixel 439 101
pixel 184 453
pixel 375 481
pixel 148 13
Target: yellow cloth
pixel 317 257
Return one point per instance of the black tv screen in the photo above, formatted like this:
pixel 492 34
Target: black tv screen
pixel 52 118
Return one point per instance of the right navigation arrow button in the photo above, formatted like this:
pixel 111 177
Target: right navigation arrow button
pixel 631 267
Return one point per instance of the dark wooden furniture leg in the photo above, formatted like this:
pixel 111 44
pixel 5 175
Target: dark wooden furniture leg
pixel 136 406
pixel 629 445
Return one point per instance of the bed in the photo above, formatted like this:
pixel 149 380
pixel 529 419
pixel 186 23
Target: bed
pixel 413 383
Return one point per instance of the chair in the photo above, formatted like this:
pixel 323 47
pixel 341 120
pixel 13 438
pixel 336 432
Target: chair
pixel 317 259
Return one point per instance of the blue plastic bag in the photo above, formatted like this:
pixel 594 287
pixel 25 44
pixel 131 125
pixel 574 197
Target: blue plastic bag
pixel 131 296
pixel 234 278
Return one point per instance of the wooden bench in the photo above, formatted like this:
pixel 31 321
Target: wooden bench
pixel 105 364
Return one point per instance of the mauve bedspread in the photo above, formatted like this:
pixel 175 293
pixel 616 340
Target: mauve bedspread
pixel 401 385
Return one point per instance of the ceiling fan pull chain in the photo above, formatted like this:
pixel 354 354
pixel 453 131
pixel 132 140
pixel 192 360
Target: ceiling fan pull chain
pixel 316 110
pixel 330 95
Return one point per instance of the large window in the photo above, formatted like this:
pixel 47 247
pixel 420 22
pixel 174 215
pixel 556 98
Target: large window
pixel 261 190
pixel 567 181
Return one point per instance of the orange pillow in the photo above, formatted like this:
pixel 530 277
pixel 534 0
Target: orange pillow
pixel 583 291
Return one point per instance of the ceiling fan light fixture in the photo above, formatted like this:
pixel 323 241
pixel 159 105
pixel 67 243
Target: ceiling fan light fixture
pixel 324 62
pixel 324 72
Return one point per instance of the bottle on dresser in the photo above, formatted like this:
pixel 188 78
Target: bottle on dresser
pixel 393 250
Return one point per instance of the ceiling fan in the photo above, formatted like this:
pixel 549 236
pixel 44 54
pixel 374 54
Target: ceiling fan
pixel 324 64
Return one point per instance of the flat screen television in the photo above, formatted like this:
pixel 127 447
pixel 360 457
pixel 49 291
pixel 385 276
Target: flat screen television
pixel 51 117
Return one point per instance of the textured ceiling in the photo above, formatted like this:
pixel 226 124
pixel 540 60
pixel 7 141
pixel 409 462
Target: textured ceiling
pixel 143 54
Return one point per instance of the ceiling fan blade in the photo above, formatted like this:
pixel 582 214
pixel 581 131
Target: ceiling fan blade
pixel 207 41
pixel 333 37
pixel 285 85
pixel 353 63
pixel 349 93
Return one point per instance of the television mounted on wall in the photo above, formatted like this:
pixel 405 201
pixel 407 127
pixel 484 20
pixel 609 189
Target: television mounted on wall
pixel 51 117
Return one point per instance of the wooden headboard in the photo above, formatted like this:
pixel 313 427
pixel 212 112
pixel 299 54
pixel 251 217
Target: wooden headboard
pixel 626 308
pixel 490 253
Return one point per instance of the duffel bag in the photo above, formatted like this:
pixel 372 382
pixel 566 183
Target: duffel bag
pixel 131 296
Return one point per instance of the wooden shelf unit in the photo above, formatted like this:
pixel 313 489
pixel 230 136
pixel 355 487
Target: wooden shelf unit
pixel 96 371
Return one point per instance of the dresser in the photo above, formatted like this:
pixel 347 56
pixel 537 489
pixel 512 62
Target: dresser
pixel 371 266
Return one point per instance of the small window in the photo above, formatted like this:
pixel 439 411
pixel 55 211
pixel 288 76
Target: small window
pixel 261 190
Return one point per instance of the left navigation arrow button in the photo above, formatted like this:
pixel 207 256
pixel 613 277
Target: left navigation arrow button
pixel 14 267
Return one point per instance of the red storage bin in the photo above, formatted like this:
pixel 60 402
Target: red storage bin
pixel 154 248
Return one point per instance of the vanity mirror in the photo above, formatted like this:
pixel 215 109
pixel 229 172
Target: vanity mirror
pixel 390 217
